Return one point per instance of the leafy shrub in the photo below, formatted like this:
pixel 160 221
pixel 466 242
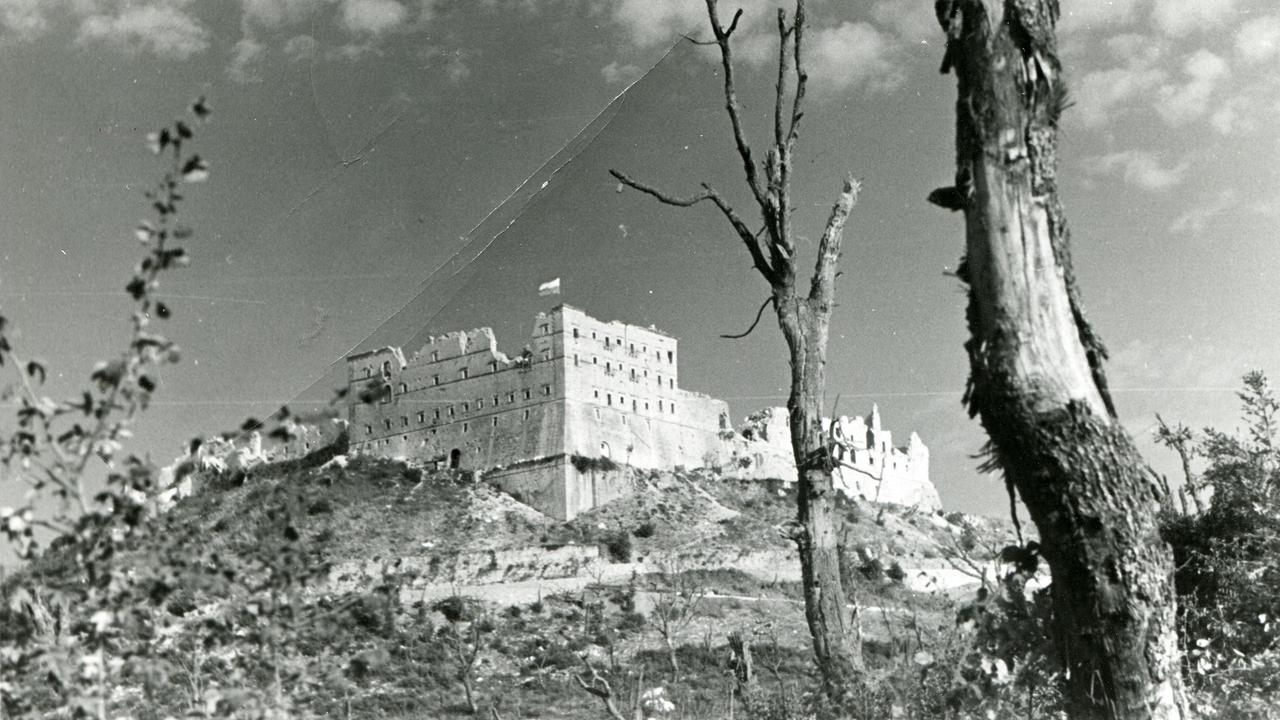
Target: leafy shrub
pixel 646 529
pixel 619 546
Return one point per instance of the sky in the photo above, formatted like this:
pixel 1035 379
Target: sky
pixel 386 169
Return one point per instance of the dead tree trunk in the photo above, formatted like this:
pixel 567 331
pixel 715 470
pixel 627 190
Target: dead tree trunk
pixel 1036 376
pixel 804 318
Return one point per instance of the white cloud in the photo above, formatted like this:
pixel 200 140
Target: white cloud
pixel 275 13
pixel 300 47
pixel 245 57
pixel 163 29
pixel 1178 18
pixel 1099 92
pixel 24 19
pixel 852 55
pixel 1139 168
pixel 1258 39
pixel 1196 218
pixel 372 17
pixel 614 74
pixel 912 21
pixel 1092 15
pixel 1179 103
pixel 651 22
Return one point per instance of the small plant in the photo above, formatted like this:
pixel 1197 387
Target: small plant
pixel 645 529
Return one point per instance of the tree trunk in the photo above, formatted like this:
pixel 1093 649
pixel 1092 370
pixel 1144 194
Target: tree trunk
pixel 671 657
pixel 1036 370
pixel 833 627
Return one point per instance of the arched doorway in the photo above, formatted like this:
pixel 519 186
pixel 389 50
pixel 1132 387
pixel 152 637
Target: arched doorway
pixel 455 459
pixel 604 450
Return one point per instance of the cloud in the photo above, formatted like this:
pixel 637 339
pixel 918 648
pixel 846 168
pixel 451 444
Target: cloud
pixel 615 74
pixel 275 13
pixel 24 19
pixel 245 57
pixel 1088 15
pixel 1196 218
pixel 1181 103
pixel 912 21
pixel 372 17
pixel 1258 39
pixel 1138 168
pixel 1100 91
pixel 652 22
pixel 854 54
pixel 164 30
pixel 300 47
pixel 1178 18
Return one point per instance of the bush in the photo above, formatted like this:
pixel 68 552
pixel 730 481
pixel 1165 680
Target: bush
pixel 619 546
pixel 646 529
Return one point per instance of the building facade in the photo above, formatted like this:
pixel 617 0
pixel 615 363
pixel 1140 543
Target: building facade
pixel 550 424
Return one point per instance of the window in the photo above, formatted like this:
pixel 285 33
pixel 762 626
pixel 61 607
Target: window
pixel 546 355
pixel 659 406
pixel 527 393
pixel 546 390
pixel 544 328
pixel 606 341
pixel 608 368
pixel 511 397
pixel 633 374
pixel 575 333
pixel 597 394
pixel 646 407
pixel 495 421
pixel 437 413
pixel 463 373
pixel 633 405
pixel 526 414
pixel 450 411
pixel 673 408
pixel 593 334
pixel 404 388
pixel 597 413
pixel 671 383
pixel 386 367
pixel 624 419
pixel 368 429
pixel 466 407
pixel 387 423
pixel 435 356
pixel 368 372
pixel 422 416
pixel 609 398
pixel 495 401
pixel 671 357
pixel 658 353
pixel 575 361
pixel 632 348
pixel 493 366
pixel 404 421
pixel 466 427
pixel 435 379
pixel 595 360
pixel 659 381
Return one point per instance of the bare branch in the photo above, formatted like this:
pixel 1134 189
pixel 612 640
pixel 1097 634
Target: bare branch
pixel 781 88
pixel 709 193
pixel 824 273
pixel 759 314
pixel 731 103
pixel 802 76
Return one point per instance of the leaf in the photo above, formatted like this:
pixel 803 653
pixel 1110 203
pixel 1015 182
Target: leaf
pixel 195 170
pixel 34 368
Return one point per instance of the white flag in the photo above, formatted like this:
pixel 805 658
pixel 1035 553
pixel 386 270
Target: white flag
pixel 549 288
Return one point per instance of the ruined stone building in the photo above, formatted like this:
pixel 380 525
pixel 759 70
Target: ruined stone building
pixel 548 425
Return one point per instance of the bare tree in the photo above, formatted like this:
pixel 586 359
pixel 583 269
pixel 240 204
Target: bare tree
pixel 1036 377
pixel 596 684
pixel 804 317
pixel 675 605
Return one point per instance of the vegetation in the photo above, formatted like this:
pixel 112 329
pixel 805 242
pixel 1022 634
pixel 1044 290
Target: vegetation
pixel 1036 370
pixel 804 318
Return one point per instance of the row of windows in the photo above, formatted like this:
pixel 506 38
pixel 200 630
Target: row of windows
pixel 635 403
pixel 388 424
pixel 612 369
pixel 612 343
pixel 527 394
pixel 463 373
